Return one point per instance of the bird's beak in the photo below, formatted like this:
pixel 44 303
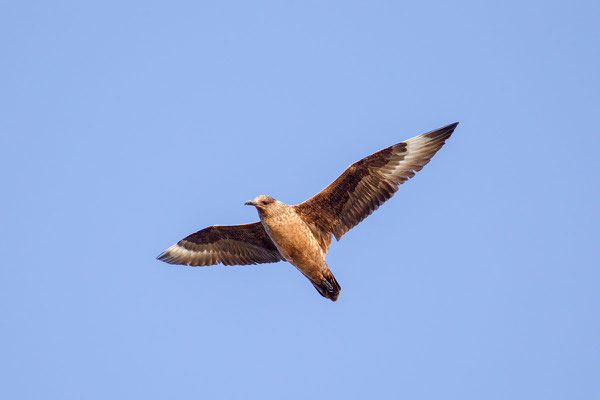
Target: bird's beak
pixel 250 203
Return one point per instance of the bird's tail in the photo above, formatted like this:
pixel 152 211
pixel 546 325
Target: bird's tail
pixel 328 287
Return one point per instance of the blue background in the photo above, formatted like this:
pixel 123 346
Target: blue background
pixel 127 126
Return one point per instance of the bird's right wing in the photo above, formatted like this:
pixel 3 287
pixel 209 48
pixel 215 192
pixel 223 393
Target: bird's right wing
pixel 226 244
pixel 367 183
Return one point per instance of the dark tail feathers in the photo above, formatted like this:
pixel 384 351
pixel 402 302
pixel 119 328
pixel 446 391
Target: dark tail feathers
pixel 328 287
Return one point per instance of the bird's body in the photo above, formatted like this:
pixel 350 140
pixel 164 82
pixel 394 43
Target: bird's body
pixel 297 243
pixel 293 238
pixel 301 233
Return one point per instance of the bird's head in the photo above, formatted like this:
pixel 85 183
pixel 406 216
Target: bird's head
pixel 262 202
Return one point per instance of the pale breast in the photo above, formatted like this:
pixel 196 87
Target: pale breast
pixel 294 239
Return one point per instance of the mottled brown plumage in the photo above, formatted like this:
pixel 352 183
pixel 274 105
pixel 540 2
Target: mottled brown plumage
pixel 368 183
pixel 301 234
pixel 227 244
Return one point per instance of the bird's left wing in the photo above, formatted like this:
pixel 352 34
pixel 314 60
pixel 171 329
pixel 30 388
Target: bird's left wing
pixel 367 183
pixel 226 244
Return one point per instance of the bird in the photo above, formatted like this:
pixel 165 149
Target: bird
pixel 301 233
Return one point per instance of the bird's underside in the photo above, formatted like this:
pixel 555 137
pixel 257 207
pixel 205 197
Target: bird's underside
pixel 301 233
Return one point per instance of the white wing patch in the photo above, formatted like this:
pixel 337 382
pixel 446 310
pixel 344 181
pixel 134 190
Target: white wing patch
pixel 177 254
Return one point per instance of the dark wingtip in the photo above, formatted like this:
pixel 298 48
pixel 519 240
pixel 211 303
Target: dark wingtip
pixel 165 257
pixel 444 132
pixel 449 127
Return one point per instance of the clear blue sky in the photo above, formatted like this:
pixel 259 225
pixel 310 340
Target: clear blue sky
pixel 127 126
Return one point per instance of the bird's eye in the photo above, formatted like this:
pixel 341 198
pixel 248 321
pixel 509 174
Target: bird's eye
pixel 264 203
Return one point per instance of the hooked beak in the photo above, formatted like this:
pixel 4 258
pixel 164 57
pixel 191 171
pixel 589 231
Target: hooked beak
pixel 250 203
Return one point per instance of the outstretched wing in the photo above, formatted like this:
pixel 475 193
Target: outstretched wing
pixel 227 244
pixel 367 184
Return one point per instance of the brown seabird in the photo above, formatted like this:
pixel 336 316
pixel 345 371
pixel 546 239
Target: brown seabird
pixel 301 233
